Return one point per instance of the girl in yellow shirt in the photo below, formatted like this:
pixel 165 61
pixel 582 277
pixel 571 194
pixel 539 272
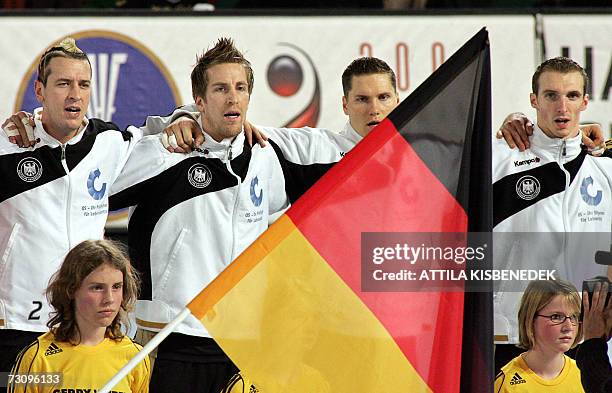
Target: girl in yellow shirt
pixel 548 327
pixel 91 295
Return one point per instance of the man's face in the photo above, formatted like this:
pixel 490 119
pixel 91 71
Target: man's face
pixel 371 98
pixel 226 102
pixel 65 97
pixel 559 101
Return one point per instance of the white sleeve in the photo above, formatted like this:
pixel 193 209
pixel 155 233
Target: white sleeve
pixel 501 157
pixel 309 145
pixel 156 124
pixel 147 160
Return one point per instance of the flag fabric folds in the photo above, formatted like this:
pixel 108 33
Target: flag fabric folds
pixel 290 311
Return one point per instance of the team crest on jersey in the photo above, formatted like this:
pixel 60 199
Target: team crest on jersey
pixel 29 169
pixel 95 193
pixel 255 198
pixel 591 200
pixel 199 176
pixel 528 187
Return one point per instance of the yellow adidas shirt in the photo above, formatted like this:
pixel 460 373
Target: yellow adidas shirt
pixel 517 377
pixel 48 366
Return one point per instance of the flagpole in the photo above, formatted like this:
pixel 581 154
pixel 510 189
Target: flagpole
pixel 151 345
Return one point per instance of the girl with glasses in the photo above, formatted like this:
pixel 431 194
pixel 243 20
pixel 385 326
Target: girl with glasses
pixel 548 327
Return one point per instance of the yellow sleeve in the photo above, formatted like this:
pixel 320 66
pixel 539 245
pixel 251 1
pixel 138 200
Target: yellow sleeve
pixel 27 362
pixel 141 374
pixel 499 383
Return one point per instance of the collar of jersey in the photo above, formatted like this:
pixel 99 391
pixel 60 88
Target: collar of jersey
pixel 349 133
pixel 553 146
pixel 46 139
pixel 221 149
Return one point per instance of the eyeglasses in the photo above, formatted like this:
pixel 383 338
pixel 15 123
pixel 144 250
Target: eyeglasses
pixel 558 319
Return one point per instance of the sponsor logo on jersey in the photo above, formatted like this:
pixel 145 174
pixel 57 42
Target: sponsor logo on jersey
pixel 29 169
pixel 199 175
pixel 528 161
pixel 591 200
pixel 255 198
pixel 528 187
pixel 516 379
pixel 52 349
pixel 95 193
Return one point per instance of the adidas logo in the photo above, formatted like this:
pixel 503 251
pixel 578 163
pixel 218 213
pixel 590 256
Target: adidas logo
pixel 516 379
pixel 52 350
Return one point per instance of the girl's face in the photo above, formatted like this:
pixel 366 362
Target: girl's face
pixel 554 336
pixel 98 299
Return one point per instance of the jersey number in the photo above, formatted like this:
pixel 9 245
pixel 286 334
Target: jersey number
pixel 34 314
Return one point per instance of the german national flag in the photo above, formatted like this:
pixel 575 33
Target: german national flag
pixel 290 311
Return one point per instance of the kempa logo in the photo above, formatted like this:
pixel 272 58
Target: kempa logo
pixel 29 169
pixel 516 379
pixel 527 162
pixel 199 176
pixel 52 350
pixel 528 187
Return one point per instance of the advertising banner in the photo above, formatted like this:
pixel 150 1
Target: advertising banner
pixel 142 64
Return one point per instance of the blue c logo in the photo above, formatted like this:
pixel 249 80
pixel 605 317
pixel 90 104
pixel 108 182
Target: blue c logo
pixel 256 199
pixel 592 200
pixel 91 187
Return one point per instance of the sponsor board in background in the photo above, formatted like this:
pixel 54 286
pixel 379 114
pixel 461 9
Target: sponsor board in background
pixel 588 40
pixel 293 77
pixel 414 46
pixel 129 82
pixel 285 77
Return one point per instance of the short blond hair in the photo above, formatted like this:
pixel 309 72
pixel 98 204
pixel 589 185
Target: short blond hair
pixel 66 48
pixel 537 295
pixel 223 52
